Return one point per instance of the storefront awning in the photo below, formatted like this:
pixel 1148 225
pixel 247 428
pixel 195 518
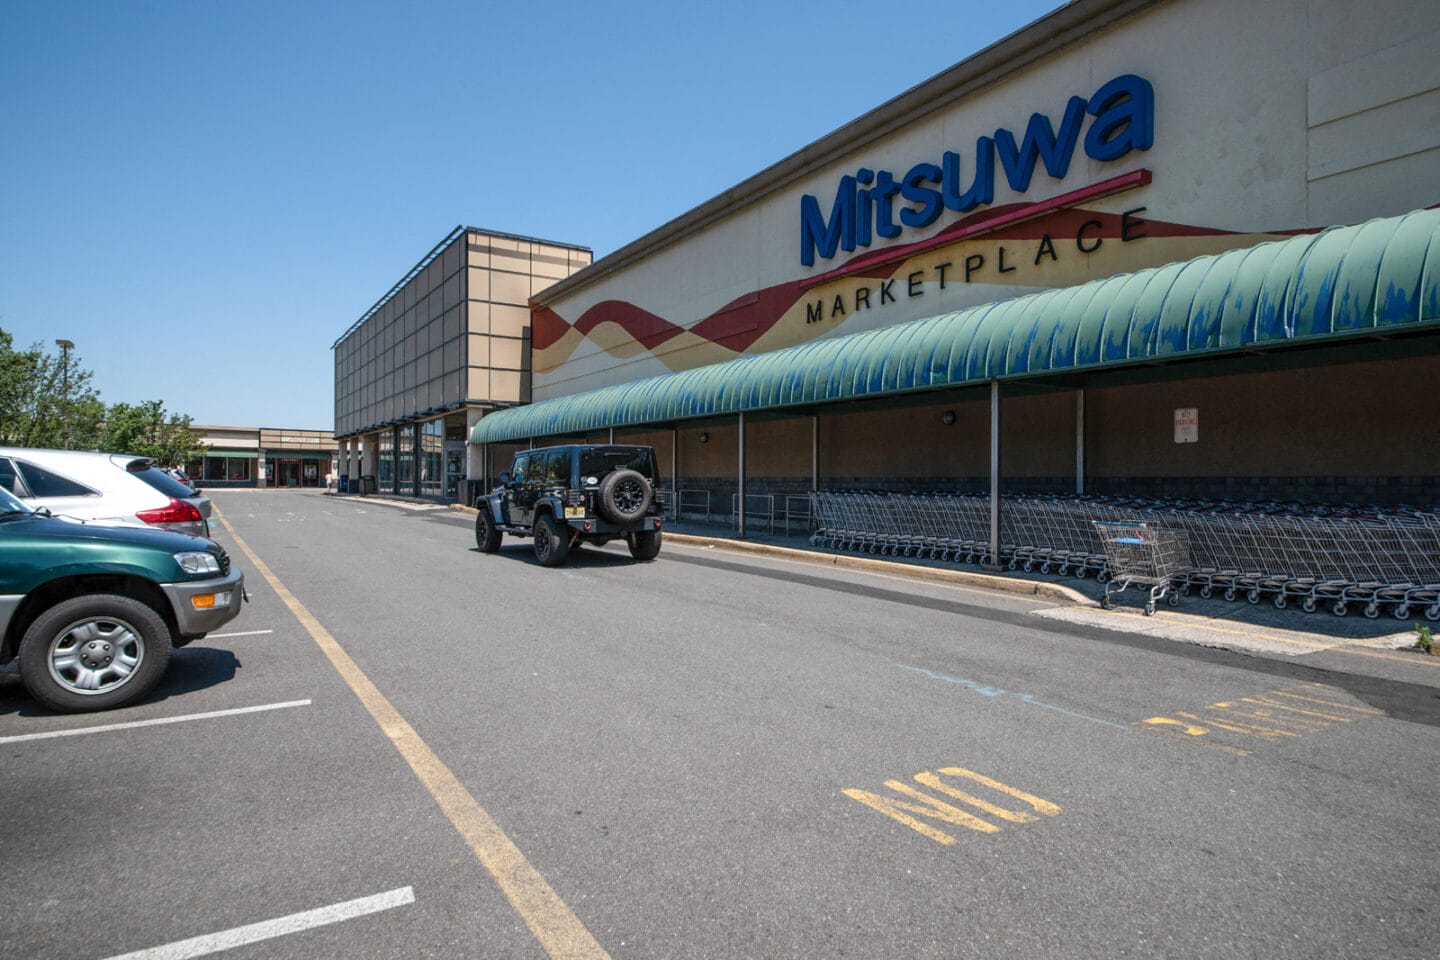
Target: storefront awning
pixel 1344 282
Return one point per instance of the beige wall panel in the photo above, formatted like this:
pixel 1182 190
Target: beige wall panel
pixel 505 385
pixel 1407 69
pixel 478 253
pixel 509 321
pixel 479 284
pixel 511 288
pixel 479 351
pixel 1341 31
pixel 1374 136
pixel 507 353
pixel 547 268
pixel 478 316
pixel 1358 195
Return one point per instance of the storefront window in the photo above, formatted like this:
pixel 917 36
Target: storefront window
pixel 405 461
pixel 432 440
pixel 223 469
pixel 386 478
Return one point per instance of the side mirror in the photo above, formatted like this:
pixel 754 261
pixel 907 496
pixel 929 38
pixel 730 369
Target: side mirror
pixel 505 478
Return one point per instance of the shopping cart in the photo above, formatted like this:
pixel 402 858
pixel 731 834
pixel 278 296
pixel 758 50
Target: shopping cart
pixel 1142 554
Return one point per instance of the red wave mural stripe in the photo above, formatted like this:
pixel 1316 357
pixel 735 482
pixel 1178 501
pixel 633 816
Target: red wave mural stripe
pixel 737 325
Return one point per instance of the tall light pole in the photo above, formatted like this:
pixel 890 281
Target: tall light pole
pixel 65 347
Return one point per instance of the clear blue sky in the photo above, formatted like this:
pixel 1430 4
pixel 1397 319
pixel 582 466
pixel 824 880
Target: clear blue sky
pixel 204 196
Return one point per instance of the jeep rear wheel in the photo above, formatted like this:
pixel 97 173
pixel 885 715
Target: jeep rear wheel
pixel 94 652
pixel 644 544
pixel 552 542
pixel 625 496
pixel 487 537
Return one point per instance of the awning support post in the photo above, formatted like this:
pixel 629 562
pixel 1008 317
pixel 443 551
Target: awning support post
pixel 994 558
pixel 740 500
pixel 675 468
pixel 1080 440
pixel 814 453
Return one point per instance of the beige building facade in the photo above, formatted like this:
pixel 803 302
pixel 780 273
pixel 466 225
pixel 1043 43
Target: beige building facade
pixel 447 343
pixel 262 457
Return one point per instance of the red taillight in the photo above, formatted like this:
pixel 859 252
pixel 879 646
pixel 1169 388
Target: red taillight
pixel 176 511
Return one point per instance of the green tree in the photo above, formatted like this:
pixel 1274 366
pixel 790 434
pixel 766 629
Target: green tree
pixel 147 430
pixel 46 401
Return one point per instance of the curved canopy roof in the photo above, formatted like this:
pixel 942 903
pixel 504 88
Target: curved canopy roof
pixel 1341 282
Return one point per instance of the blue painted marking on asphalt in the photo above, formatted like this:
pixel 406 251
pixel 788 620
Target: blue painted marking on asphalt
pixel 996 692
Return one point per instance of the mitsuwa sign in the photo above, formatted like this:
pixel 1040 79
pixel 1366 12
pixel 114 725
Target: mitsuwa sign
pixel 869 203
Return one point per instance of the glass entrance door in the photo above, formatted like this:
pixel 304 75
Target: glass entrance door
pixel 454 469
pixel 288 473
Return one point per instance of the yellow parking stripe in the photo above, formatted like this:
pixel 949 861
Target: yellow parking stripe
pixel 553 923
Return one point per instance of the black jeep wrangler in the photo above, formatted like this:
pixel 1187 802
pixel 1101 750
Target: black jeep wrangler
pixel 578 493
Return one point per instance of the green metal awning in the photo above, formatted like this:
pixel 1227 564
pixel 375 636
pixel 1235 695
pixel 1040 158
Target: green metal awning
pixel 1344 282
pixel 220 452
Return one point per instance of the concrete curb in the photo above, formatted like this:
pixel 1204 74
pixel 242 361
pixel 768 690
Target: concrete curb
pixel 1051 591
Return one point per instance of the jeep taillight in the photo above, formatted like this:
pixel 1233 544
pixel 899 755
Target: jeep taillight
pixel 176 511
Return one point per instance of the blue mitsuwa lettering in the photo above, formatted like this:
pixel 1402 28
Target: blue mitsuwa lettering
pixel 865 204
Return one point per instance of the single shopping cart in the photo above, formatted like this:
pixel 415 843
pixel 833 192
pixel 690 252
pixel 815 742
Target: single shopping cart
pixel 1143 554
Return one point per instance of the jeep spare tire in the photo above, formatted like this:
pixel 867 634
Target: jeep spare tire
pixel 625 496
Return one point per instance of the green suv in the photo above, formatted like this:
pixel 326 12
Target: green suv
pixel 92 612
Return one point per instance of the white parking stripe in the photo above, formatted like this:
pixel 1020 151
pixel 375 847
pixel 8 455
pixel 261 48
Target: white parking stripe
pixel 268 929
pixel 242 633
pixel 152 723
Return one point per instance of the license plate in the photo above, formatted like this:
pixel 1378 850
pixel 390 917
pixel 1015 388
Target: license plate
pixel 576 512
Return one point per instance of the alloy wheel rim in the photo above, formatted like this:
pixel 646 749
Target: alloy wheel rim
pixel 95 655
pixel 628 495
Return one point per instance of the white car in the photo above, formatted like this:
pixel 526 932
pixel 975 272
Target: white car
pixel 103 488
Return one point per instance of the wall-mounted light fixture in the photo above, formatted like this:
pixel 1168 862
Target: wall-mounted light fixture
pixel 704 437
pixel 948 418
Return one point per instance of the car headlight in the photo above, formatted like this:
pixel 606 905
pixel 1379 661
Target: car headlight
pixel 198 562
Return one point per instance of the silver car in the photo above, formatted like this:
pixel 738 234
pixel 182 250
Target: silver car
pixel 103 488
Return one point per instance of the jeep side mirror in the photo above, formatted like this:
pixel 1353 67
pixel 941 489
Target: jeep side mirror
pixel 505 478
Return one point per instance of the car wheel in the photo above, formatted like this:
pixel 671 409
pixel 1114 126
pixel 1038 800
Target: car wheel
pixel 487 538
pixel 552 544
pixel 644 544
pixel 625 495
pixel 94 652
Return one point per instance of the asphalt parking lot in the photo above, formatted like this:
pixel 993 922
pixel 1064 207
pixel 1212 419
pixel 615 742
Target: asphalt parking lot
pixel 405 748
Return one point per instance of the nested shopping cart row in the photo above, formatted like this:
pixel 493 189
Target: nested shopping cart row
pixel 1379 564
